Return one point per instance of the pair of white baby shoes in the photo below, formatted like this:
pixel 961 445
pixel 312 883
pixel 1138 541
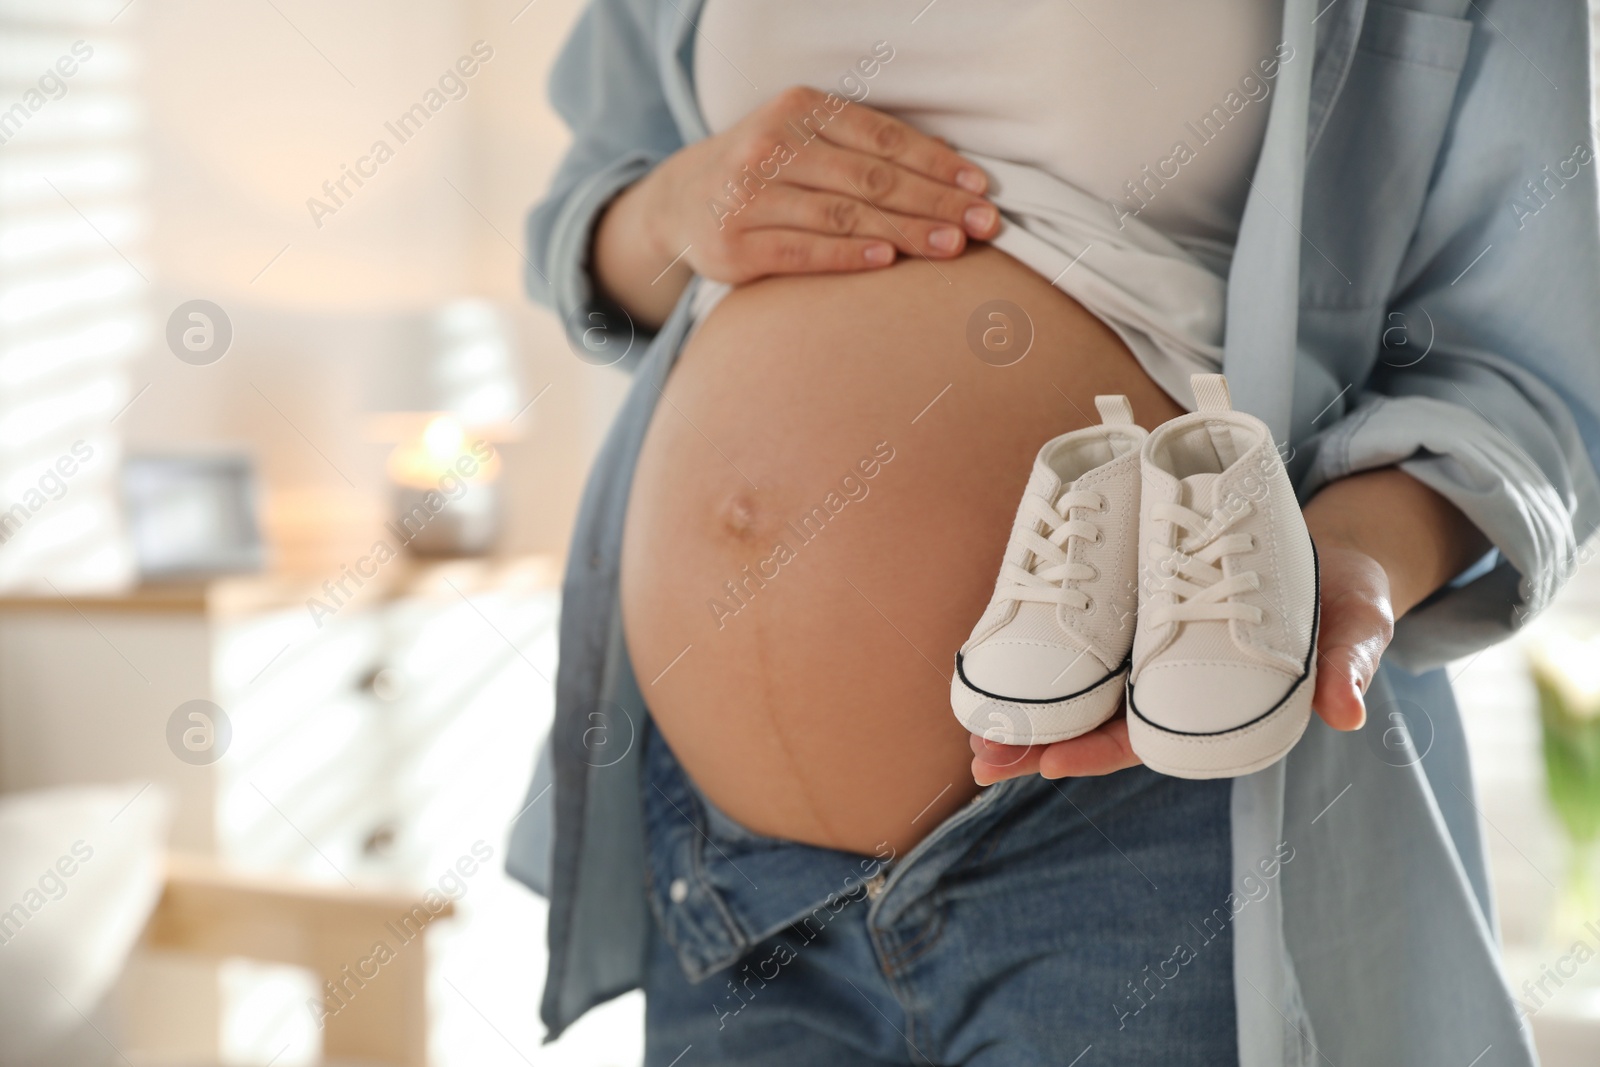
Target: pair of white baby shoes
pixel 1171 567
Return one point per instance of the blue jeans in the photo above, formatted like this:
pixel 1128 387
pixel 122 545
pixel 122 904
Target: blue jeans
pixel 1083 921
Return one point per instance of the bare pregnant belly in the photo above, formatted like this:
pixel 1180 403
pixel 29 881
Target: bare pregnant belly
pixel 817 519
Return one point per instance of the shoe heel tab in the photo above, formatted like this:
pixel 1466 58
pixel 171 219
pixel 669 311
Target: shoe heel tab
pixel 1114 410
pixel 1210 392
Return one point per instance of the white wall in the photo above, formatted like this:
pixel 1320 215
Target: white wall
pixel 246 121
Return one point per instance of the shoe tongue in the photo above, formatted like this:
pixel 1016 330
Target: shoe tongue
pixel 1198 492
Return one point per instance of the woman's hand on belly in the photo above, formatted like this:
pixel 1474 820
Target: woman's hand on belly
pixel 809 182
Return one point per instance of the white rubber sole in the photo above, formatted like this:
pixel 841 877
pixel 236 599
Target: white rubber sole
pixel 1231 754
pixel 1027 722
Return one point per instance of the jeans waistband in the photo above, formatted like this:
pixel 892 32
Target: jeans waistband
pixel 718 888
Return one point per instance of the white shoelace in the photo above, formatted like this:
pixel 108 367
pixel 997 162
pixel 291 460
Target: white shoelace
pixel 1193 571
pixel 1045 580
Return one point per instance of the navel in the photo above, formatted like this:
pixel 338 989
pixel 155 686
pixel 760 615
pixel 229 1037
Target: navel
pixel 741 515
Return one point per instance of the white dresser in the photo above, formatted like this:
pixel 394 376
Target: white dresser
pixel 376 746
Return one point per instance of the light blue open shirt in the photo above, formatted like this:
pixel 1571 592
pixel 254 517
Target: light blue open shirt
pixel 1416 282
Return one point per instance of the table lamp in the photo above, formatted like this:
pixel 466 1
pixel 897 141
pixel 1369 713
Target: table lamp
pixel 444 397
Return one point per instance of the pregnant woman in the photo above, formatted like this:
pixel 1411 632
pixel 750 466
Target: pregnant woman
pixel 863 260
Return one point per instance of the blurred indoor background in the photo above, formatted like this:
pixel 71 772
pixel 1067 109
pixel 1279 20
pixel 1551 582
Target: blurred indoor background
pixel 241 348
pixel 359 332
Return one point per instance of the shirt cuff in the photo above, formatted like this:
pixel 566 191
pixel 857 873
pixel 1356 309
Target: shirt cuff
pixel 1467 460
pixel 594 325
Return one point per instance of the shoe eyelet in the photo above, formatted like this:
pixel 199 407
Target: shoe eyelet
pixel 1088 603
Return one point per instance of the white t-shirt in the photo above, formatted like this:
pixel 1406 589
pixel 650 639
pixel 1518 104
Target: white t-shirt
pixel 1089 91
pixel 1121 136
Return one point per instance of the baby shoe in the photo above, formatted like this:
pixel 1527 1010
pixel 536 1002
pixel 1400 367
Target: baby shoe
pixel 1224 657
pixel 1047 660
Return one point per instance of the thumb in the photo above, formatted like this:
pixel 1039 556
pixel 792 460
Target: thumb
pixel 1342 679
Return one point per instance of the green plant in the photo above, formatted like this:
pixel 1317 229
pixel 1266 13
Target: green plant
pixel 1566 675
pixel 1571 758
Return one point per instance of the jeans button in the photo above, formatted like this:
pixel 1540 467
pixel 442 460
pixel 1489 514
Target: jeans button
pixel 678 890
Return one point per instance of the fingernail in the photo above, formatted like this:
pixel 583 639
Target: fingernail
pixel 947 238
pixel 973 181
pixel 980 218
pixel 878 255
